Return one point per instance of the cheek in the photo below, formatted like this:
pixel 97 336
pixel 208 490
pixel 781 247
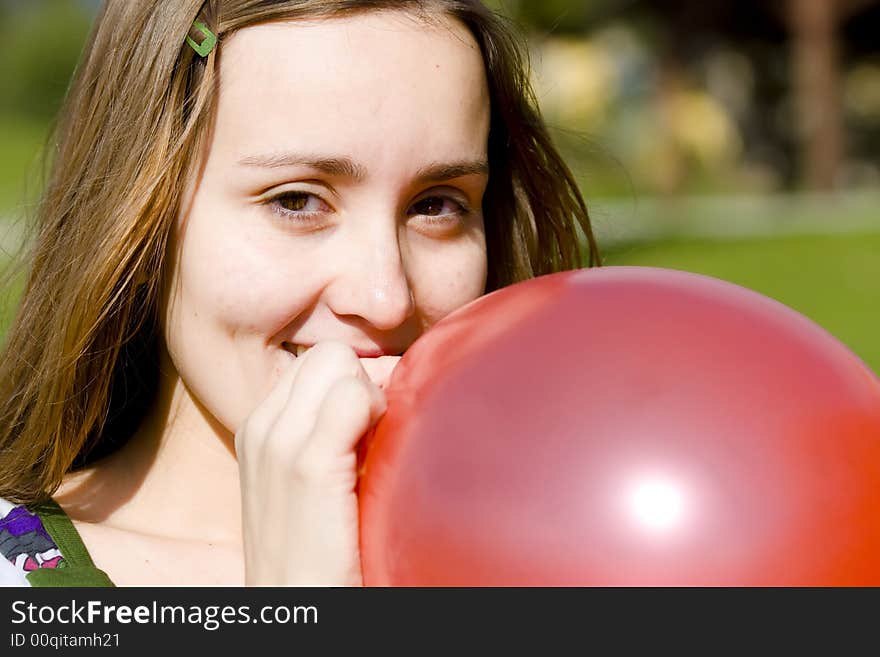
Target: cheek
pixel 250 298
pixel 238 287
pixel 447 282
pixel 228 305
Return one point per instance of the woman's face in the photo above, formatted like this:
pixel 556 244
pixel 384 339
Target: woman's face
pixel 340 200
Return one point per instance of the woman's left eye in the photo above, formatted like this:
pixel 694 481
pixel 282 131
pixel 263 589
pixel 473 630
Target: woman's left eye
pixel 437 206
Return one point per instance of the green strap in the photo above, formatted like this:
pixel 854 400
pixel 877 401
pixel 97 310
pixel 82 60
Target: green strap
pixel 77 568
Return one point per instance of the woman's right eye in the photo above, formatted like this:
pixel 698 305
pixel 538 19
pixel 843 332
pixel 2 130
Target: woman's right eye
pixel 299 202
pixel 299 207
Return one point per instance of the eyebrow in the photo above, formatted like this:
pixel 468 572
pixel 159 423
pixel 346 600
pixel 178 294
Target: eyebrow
pixel 334 166
pixel 345 167
pixel 447 171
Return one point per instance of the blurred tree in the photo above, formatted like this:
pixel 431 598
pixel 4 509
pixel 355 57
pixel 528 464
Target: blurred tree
pixel 795 123
pixel 815 28
pixel 561 16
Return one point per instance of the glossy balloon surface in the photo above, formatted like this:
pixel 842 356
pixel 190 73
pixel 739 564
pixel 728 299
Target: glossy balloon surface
pixel 625 426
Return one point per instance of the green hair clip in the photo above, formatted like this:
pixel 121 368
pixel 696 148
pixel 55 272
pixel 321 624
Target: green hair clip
pixel 208 42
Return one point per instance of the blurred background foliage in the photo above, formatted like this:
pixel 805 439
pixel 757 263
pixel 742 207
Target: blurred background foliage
pixel 735 138
pixel 711 96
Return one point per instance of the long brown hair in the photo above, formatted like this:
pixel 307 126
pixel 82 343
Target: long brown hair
pixel 79 367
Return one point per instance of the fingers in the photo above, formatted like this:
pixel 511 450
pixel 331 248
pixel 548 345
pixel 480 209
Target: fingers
pixel 322 366
pixel 291 411
pixel 298 467
pixel 264 416
pixel 349 409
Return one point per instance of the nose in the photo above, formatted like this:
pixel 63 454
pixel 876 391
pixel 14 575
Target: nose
pixel 372 283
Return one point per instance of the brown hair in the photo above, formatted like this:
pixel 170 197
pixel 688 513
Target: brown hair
pixel 79 367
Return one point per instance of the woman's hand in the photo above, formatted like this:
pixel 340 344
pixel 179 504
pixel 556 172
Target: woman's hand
pixel 297 459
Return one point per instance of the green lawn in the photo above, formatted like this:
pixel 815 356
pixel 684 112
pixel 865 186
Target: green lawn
pixel 832 279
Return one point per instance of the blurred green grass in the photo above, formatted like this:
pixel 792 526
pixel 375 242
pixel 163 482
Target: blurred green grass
pixel 22 137
pixel 10 294
pixel 832 279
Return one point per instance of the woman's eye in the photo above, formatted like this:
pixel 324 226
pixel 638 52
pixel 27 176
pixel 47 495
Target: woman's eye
pixel 297 202
pixel 435 206
pixel 300 209
pixel 293 202
pixel 439 216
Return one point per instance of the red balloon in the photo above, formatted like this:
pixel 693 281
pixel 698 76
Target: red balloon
pixel 625 426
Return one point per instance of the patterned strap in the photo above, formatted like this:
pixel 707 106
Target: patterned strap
pixel 79 570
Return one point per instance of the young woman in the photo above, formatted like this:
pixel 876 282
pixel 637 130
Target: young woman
pixel 254 209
